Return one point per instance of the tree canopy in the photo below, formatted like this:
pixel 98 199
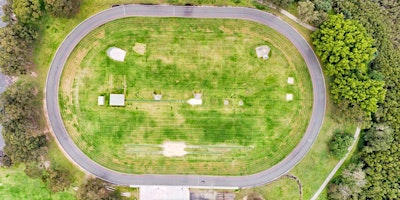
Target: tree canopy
pixel 27 10
pixel 343 46
pixel 62 8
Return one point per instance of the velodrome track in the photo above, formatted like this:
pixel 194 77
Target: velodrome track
pixel 269 175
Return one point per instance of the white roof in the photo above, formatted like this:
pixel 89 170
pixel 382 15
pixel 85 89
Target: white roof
pixel 263 51
pixel 195 102
pixel 290 80
pixel 164 193
pixel 117 100
pixel 100 100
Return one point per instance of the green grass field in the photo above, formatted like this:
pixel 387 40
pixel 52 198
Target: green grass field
pixel 216 57
pixel 14 184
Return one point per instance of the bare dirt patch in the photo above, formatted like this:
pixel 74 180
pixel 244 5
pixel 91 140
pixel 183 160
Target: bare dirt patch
pixel 172 149
pixel 140 48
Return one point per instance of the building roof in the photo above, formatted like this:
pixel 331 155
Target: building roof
pixel 100 100
pixel 164 193
pixel 117 100
pixel 263 51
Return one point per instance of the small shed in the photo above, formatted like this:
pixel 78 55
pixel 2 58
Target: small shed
pixel 100 101
pixel 263 52
pixel 117 100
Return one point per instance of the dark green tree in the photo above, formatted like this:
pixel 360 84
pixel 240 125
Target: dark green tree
pixel 323 5
pixel 378 138
pixel 62 8
pixel 16 43
pixel 339 144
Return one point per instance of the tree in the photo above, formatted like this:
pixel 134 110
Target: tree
pixel 349 184
pixel 27 10
pixel 23 148
pixel 323 5
pixel 62 8
pixel 17 118
pixel 8 12
pixel 33 170
pixel 343 46
pixel 282 3
pixel 94 189
pixel 58 180
pixel 16 48
pixel 339 144
pixel 306 11
pixel 378 138
pixel 366 93
pixel 17 102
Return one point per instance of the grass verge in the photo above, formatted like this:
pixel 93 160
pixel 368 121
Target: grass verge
pixel 14 184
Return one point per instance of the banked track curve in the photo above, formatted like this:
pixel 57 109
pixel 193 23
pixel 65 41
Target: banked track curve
pixel 263 177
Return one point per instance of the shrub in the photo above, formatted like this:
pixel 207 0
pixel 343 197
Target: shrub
pixel 339 144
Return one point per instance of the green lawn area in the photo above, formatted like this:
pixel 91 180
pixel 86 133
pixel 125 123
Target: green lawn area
pixel 312 170
pixel 213 56
pixel 14 184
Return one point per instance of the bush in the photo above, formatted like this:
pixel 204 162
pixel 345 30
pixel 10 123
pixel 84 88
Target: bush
pixel 339 144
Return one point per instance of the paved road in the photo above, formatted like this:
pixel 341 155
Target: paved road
pixel 260 178
pixel 2 24
pixel 2 78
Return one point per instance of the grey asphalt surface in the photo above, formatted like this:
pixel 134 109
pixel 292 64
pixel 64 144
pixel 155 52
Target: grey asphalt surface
pixel 2 24
pixel 2 78
pixel 318 112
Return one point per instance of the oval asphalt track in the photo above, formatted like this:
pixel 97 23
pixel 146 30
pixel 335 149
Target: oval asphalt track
pixel 269 175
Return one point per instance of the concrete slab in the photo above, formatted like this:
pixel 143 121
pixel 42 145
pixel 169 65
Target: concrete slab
pixel 290 80
pixel 164 193
pixel 289 97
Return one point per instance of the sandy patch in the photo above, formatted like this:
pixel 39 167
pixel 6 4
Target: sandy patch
pixel 139 48
pixel 172 149
pixel 116 54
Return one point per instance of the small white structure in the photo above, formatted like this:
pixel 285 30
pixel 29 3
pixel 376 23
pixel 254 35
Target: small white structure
pixel 241 103
pixel 263 52
pixel 100 101
pixel 289 97
pixel 117 100
pixel 164 193
pixel 195 102
pixel 290 80
pixel 226 102
pixel 197 95
pixel 116 54
pixel 157 97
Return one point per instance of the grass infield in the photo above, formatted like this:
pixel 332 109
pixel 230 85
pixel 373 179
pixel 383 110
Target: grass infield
pixel 213 56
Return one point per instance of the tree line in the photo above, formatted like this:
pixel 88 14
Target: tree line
pixel 360 49
pixel 25 140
